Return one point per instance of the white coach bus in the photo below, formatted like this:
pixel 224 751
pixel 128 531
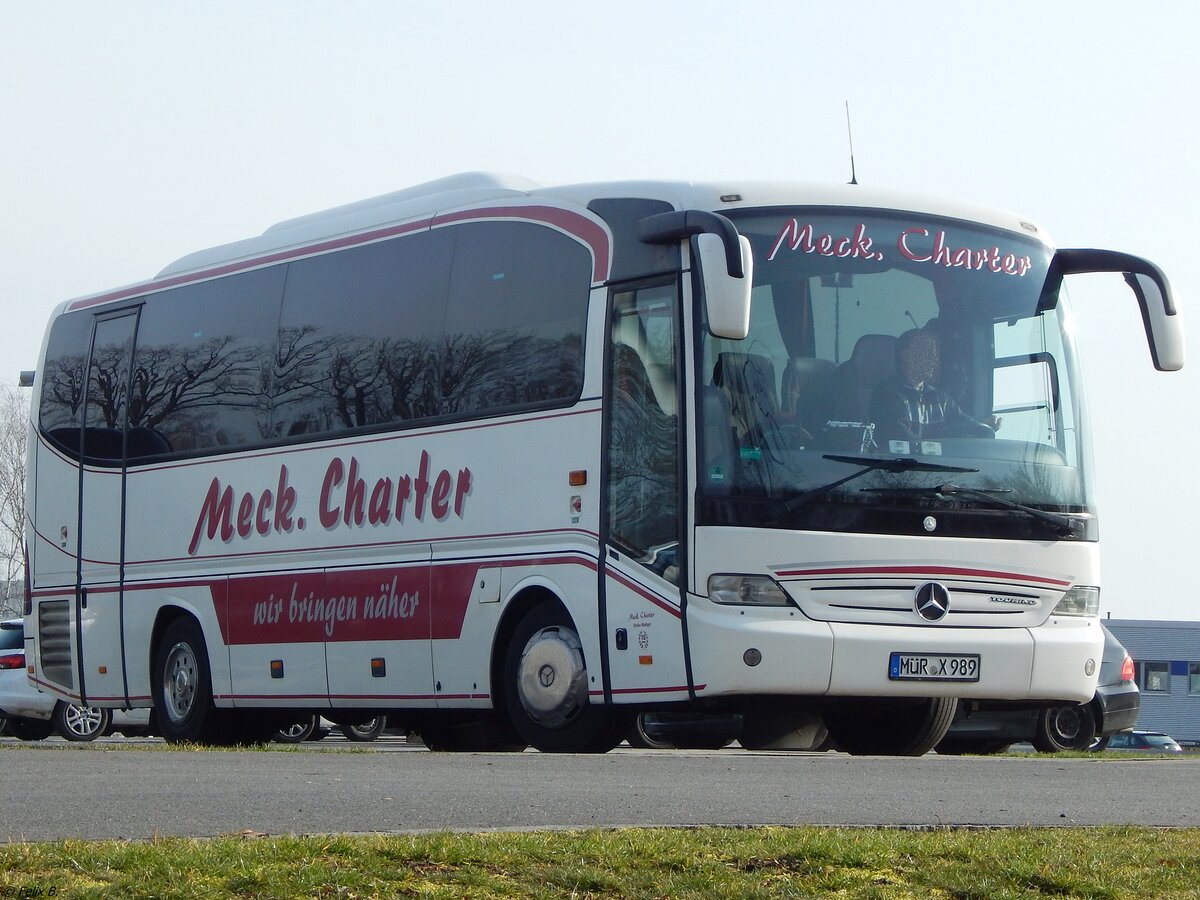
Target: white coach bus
pixel 512 463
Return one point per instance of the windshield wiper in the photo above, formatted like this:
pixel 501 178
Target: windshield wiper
pixel 1064 525
pixel 897 464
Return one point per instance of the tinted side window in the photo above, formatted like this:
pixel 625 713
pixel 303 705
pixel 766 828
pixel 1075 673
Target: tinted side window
pixel 104 418
pixel 358 336
pixel 515 317
pixel 201 369
pixel 62 380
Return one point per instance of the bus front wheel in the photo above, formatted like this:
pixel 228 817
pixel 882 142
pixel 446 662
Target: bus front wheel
pixel 547 688
pixel 183 687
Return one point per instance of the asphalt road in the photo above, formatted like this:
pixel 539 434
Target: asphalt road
pixel 113 789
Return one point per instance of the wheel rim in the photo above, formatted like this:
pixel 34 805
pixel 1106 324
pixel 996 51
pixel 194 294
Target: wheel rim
pixel 1066 725
pixel 367 730
pixel 180 678
pixel 83 721
pixel 552 678
pixel 297 732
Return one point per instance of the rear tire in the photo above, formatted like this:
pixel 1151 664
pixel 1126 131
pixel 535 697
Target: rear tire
pixel 901 728
pixel 364 731
pixel 182 686
pixel 546 688
pixel 1071 726
pixel 80 723
pixel 297 732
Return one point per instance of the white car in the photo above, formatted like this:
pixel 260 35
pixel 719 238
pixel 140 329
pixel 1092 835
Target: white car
pixel 31 715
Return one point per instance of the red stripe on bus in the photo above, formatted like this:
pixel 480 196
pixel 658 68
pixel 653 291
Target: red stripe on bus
pixel 886 571
pixel 581 227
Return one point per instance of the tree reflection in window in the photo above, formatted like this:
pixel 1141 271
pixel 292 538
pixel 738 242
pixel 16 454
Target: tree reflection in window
pixel 643 494
pixel 470 319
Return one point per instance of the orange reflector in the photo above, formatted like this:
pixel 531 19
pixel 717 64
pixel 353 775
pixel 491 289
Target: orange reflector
pixel 578 478
pixel 277 668
pixel 103 670
pixel 645 660
pixel 378 667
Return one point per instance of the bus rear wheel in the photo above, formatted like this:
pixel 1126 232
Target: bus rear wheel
pixel 891 728
pixel 183 688
pixel 547 688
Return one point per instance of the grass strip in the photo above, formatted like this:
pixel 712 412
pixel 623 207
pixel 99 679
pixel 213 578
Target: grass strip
pixel 962 864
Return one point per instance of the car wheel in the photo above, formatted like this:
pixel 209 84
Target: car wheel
pixel 1071 726
pixel 364 731
pixel 80 723
pixel 546 688
pixel 297 732
pixel 901 728
pixel 30 729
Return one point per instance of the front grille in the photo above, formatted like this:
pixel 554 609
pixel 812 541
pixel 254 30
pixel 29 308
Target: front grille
pixel 54 642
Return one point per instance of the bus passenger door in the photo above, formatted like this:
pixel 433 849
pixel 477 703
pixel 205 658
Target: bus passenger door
pixel 641 570
pixel 99 594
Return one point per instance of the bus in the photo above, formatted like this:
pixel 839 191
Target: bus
pixel 512 464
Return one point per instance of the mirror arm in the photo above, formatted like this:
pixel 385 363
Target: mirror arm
pixel 1080 262
pixel 675 226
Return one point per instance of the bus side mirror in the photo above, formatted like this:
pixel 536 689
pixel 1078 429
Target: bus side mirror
pixel 1164 331
pixel 725 259
pixel 1163 323
pixel 726 296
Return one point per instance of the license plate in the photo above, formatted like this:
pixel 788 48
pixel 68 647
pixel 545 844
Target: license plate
pixel 933 667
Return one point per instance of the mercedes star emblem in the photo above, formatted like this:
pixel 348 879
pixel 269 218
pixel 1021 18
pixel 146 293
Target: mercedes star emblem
pixel 932 601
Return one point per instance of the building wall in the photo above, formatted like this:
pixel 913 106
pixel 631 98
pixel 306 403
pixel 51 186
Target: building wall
pixel 1175 711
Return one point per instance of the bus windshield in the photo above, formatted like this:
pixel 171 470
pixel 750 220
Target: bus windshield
pixel 880 337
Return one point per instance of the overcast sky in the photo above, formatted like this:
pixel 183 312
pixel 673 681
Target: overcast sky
pixel 136 132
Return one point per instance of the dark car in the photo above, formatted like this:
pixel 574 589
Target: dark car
pixel 990 726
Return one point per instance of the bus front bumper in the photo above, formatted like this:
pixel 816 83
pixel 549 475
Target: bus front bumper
pixel 737 650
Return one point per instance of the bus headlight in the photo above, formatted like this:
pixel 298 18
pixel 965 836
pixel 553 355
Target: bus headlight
pixel 1079 601
pixel 746 590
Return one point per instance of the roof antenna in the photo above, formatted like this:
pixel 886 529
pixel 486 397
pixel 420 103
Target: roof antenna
pixel 850 135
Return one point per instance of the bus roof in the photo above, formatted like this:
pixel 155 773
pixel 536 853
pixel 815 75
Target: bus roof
pixel 481 189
